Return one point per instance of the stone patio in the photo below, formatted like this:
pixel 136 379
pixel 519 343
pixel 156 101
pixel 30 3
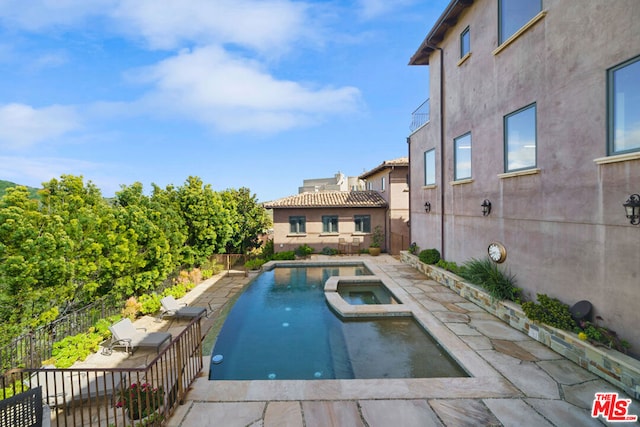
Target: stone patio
pixel 514 379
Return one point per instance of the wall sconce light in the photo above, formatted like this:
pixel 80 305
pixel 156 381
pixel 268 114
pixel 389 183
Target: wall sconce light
pixel 632 208
pixel 427 207
pixel 486 207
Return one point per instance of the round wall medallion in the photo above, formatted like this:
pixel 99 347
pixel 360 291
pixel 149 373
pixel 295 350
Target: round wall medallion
pixel 497 252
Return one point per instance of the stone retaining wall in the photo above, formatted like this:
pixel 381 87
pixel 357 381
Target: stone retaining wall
pixel 612 366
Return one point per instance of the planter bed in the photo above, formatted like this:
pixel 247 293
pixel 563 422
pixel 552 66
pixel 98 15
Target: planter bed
pixel 611 365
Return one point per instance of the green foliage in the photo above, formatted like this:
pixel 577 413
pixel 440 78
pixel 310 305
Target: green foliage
pixel 149 303
pixel 448 265
pixel 72 246
pixel 4 185
pixel 177 291
pixel 485 273
pixel 15 388
pixel 550 311
pixel 329 251
pixel 254 264
pixel 414 249
pixel 268 250
pixel 377 237
pixel 429 256
pixel 304 250
pixel 602 335
pixel 284 256
pixel 73 348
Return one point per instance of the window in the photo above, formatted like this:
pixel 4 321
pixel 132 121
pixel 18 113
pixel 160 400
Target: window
pixel 369 185
pixel 329 224
pixel 520 139
pixel 297 224
pixel 430 167
pixel 465 42
pixel 362 223
pixel 462 157
pixel 624 107
pixel 382 184
pixel 513 14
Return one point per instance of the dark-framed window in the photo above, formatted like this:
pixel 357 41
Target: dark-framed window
pixel 513 14
pixel 462 156
pixel 430 167
pixel 362 223
pixel 329 223
pixel 623 107
pixel 382 184
pixel 297 224
pixel 465 42
pixel 520 140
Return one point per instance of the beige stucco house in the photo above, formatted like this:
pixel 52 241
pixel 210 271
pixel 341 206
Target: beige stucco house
pixel 390 180
pixel 535 108
pixel 342 220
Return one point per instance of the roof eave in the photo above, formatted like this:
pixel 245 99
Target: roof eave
pixel 448 19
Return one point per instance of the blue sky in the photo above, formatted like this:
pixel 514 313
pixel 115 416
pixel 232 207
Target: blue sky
pixel 242 93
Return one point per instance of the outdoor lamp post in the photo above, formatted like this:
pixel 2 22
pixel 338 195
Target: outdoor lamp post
pixel 427 207
pixel 632 208
pixel 486 207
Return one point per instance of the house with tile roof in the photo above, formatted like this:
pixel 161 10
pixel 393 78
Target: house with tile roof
pixel 342 220
pixel 390 180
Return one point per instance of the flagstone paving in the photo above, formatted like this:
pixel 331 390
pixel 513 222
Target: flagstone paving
pixel 515 380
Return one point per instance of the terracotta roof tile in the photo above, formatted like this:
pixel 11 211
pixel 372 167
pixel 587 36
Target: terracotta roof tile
pixel 400 161
pixel 334 199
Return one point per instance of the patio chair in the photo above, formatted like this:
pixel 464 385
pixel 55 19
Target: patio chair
pixel 171 308
pixel 355 244
pixel 128 336
pixel 343 246
pixel 23 409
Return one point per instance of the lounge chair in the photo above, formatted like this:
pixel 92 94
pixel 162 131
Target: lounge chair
pixel 171 308
pixel 128 336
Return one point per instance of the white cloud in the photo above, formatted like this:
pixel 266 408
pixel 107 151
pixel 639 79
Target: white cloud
pixel 260 25
pixel 22 126
pixel 237 94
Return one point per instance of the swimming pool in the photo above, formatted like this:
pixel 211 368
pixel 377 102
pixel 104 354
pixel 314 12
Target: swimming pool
pixel 282 328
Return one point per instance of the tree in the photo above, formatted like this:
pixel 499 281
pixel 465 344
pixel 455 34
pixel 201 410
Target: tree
pixel 250 220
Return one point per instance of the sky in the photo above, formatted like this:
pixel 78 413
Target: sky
pixel 241 93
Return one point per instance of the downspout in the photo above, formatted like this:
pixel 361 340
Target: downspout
pixel 442 186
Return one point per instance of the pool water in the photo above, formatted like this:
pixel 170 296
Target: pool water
pixel 366 294
pixel 282 328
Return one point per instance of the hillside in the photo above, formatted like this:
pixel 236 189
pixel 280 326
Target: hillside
pixel 7 184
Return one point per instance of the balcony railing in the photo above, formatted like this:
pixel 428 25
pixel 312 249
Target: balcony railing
pixel 420 116
pixel 91 396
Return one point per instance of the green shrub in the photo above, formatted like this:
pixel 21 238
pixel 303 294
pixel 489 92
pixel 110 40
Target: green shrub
pixel 284 256
pixel 550 311
pixel 254 264
pixel 73 348
pixel 177 291
pixel 449 266
pixel 304 250
pixel 268 250
pixel 150 303
pixel 429 256
pixel 329 251
pixel 486 273
pixel 206 273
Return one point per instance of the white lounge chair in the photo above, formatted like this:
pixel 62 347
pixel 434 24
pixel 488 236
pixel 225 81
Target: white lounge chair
pixel 171 308
pixel 128 336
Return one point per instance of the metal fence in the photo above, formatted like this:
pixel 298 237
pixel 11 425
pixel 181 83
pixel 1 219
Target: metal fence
pixel 420 116
pixel 30 349
pixel 116 396
pixel 232 263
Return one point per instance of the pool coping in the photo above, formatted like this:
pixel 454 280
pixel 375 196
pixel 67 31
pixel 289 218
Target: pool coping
pixel 484 381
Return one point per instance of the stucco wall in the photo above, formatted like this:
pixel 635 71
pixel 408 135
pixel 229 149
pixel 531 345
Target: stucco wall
pixel 285 241
pixel 564 227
